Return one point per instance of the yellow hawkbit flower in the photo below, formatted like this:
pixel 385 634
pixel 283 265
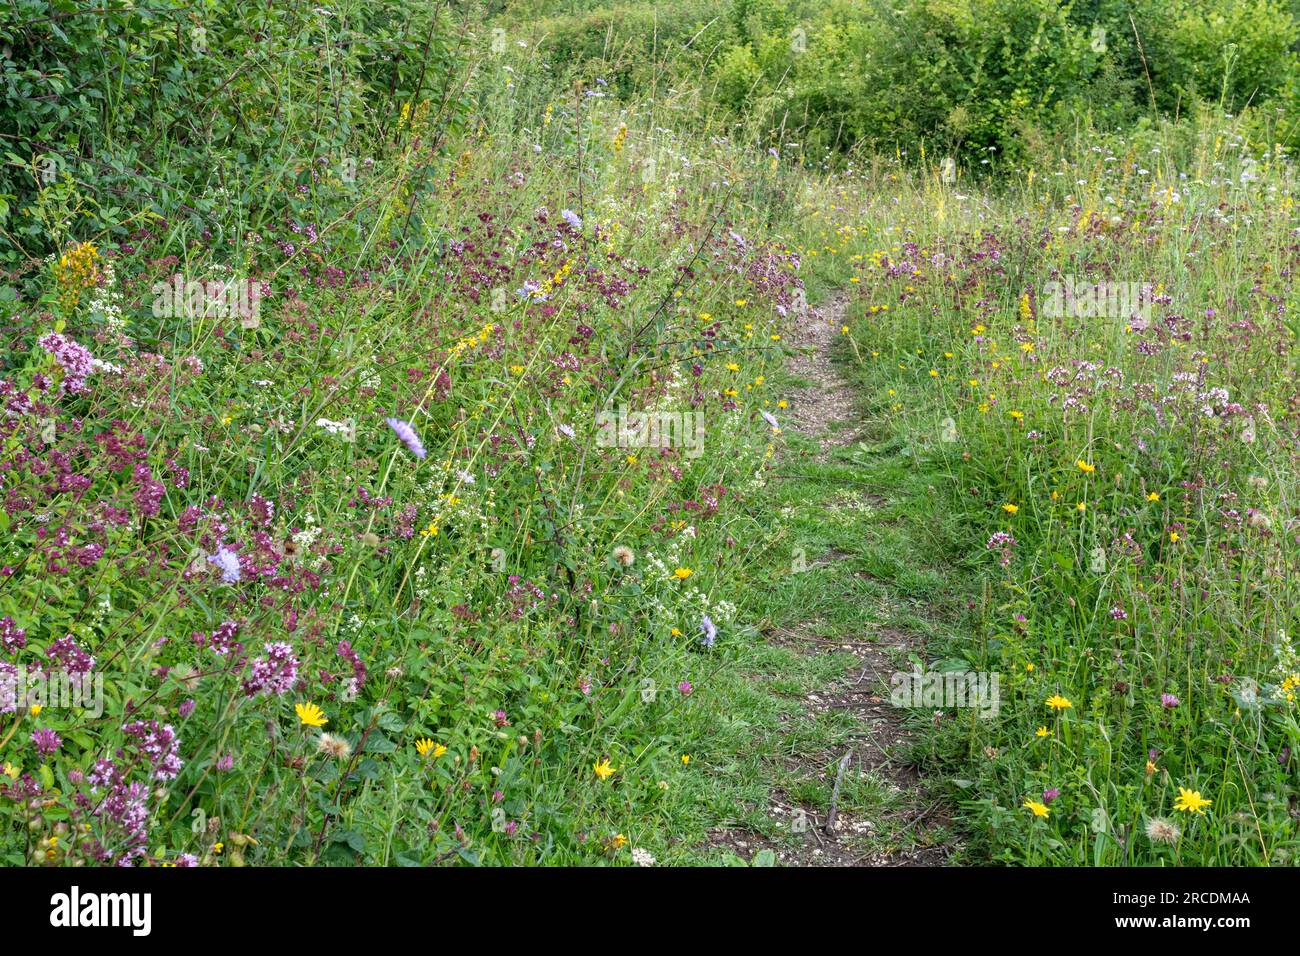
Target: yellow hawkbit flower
pixel 428 748
pixel 1057 702
pixel 310 715
pixel 1191 801
pixel 1038 809
pixel 603 770
pixel 1041 732
pixel 686 759
pixel 1010 508
pixel 681 574
pixel 1085 467
pixel 1154 496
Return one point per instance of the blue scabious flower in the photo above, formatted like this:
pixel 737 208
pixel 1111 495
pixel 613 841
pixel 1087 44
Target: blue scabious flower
pixel 573 219
pixel 709 631
pixel 228 562
pixel 408 436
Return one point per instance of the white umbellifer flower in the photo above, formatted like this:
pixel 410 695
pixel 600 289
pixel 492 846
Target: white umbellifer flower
pixel 642 857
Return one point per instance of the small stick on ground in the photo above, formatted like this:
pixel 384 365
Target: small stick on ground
pixel 835 793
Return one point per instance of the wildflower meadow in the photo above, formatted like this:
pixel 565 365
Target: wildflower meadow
pixel 574 434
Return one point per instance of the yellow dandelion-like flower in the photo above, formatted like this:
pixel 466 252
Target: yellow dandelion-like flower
pixel 1191 801
pixel 1085 467
pixel 1041 732
pixel 1154 496
pixel 603 770
pixel 429 748
pixel 1010 508
pixel 310 715
pixel 681 574
pixel 1038 809
pixel 1057 702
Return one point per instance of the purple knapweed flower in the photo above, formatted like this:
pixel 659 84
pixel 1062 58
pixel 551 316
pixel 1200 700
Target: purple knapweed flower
pixel 1050 794
pixel 1169 701
pixel 408 436
pixel 685 688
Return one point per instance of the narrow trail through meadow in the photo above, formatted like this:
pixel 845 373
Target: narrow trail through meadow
pixel 877 811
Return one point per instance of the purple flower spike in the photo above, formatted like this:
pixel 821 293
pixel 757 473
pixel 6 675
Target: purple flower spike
pixel 408 436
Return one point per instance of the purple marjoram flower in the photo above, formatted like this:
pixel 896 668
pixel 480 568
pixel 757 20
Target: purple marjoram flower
pixel 1169 701
pixel 408 436
pixel 274 674
pixel 228 562
pixel 46 741
pixel 12 638
pixel 1050 794
pixel 77 363
pixel 573 219
pixel 708 630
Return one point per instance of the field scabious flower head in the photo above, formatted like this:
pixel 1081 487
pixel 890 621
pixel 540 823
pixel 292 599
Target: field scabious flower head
pixel 228 562
pixel 708 631
pixel 407 434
